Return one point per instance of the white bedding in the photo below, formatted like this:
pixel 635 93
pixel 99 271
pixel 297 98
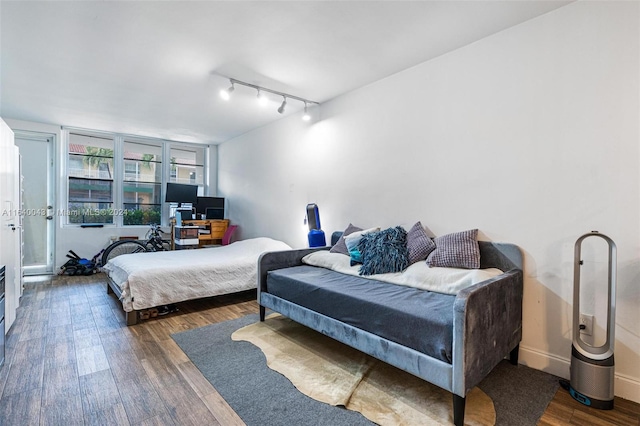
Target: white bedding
pixel 154 279
pixel 418 275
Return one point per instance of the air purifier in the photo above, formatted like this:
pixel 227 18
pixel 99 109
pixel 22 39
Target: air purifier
pixel 592 367
pixel 316 235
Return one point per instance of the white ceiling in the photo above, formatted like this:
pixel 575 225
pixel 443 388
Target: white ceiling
pixel 155 68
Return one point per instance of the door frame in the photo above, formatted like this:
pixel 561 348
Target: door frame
pixel 51 139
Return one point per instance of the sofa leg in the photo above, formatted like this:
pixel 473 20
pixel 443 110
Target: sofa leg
pixel 458 410
pixel 513 355
pixel 262 313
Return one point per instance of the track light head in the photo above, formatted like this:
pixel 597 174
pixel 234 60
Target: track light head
pixel 306 116
pixel 226 94
pixel 262 99
pixel 284 104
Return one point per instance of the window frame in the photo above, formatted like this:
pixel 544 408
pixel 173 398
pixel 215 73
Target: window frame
pixel 149 142
pixel 118 172
pixel 68 177
pixel 167 164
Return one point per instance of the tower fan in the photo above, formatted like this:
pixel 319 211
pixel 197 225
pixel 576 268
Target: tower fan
pixel 316 235
pixel 592 367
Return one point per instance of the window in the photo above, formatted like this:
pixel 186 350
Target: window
pixel 142 183
pixel 90 172
pixel 120 180
pixel 187 166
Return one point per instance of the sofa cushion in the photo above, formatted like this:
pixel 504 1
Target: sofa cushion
pixel 384 251
pixel 340 246
pixel 457 250
pixel 421 320
pixel 418 243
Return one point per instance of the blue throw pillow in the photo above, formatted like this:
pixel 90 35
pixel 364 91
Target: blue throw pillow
pixel 385 251
pixel 356 257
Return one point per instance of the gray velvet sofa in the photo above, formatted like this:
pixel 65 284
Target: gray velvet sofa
pixel 485 320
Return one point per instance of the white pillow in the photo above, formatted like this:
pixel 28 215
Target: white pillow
pixel 354 238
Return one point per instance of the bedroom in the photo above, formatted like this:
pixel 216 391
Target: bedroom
pixel 529 134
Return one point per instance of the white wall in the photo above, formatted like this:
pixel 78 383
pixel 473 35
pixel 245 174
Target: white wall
pixel 530 135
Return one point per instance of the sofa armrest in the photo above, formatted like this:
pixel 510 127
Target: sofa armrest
pixel 280 259
pixel 487 325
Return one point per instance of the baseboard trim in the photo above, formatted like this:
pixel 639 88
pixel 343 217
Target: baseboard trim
pixel 624 386
pixel 627 387
pixel 544 361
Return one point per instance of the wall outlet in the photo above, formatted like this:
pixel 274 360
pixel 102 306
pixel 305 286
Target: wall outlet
pixel 587 322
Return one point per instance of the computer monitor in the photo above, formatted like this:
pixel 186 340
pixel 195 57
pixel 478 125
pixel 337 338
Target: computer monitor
pixel 185 214
pixel 205 203
pixel 181 193
pixel 214 213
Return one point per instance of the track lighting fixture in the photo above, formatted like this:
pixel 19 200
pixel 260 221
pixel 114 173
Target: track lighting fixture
pixel 226 94
pixel 284 104
pixel 305 115
pixel 262 99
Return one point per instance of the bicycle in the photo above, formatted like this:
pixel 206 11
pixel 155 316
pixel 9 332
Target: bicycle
pixel 153 242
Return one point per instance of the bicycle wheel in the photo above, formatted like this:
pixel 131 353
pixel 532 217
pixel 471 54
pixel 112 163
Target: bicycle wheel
pixel 122 247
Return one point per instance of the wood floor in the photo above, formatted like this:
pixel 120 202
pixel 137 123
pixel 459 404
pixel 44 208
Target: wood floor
pixel 71 360
pixel 564 410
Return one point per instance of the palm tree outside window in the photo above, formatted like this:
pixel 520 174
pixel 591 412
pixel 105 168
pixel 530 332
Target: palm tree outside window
pixel 90 179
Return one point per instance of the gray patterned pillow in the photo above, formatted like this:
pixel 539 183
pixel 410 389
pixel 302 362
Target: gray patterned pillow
pixel 457 250
pixel 340 246
pixel 419 244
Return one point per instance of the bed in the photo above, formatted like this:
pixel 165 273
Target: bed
pixel 146 280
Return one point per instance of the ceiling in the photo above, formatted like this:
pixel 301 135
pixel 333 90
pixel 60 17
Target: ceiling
pixel 155 68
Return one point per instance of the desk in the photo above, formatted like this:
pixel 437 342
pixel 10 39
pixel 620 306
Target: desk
pixel 214 230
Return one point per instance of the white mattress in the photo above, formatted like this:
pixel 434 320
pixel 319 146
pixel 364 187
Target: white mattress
pixel 154 279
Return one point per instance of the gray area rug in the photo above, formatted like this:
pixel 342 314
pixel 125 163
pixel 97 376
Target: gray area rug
pixel 261 396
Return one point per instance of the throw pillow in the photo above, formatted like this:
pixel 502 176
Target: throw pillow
pixel 419 244
pixel 457 250
pixel 384 251
pixel 340 246
pixel 352 240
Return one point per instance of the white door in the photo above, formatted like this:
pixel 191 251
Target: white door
pixel 17 233
pixel 37 152
pixel 9 222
